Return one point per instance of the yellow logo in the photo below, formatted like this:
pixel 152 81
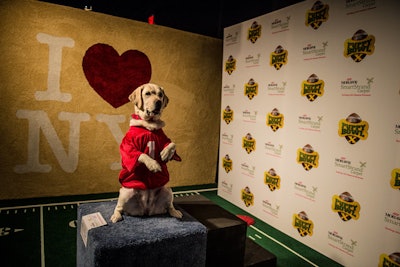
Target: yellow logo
pixel 392 260
pixel 346 207
pixel 227 163
pixel 395 180
pixel 249 143
pixel 312 88
pixel 319 13
pixel 353 128
pixel 279 57
pixel 275 120
pixel 303 225
pixel 254 32
pixel 359 46
pixel 230 65
pixel 227 114
pixel 272 180
pixel 251 89
pixel 307 157
pixel 247 197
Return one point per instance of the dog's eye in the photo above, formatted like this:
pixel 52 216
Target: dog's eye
pixel 148 93
pixel 160 94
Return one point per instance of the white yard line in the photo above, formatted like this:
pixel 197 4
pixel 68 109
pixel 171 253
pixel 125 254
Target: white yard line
pixel 195 191
pixel 43 258
pixel 283 245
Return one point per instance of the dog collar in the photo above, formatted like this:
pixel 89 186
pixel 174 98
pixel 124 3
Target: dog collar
pixel 149 125
pixel 136 117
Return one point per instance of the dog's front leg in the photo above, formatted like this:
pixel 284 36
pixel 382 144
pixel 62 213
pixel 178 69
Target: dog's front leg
pixel 171 209
pixel 124 195
pixel 174 212
pixel 150 163
pixel 168 152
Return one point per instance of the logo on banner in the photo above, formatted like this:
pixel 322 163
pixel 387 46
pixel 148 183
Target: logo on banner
pixel 227 163
pixel 307 157
pixel 247 169
pixel 273 150
pixel 352 87
pixel 226 187
pixel 395 179
pixel 254 32
pixel 360 5
pixel 397 131
pixel 249 143
pixel 230 65
pixel 359 46
pixel 275 120
pixel 228 90
pixel 339 242
pixel 393 220
pixel 272 180
pixel 353 128
pixel 346 167
pixel 307 123
pixel 274 89
pixel 304 191
pixel 279 57
pixel 312 88
pixel 346 207
pixel 270 209
pixel 249 116
pixel 247 197
pixel 252 61
pixel 227 114
pixel 311 51
pixel 232 38
pixel 303 225
pixel 279 26
pixel 251 89
pixel 227 139
pixel 318 14
pixel 392 260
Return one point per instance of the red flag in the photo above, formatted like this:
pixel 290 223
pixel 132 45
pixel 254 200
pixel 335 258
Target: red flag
pixel 150 19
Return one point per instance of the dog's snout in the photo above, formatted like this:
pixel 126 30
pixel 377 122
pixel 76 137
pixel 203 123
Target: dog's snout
pixel 158 104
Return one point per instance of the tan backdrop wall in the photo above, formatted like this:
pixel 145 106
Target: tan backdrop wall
pixel 59 136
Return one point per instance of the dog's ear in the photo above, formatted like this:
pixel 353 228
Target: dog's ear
pixel 165 97
pixel 136 97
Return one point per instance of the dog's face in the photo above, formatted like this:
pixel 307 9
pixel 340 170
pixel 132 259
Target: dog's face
pixel 149 100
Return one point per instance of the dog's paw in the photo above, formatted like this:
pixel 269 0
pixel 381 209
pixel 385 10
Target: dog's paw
pixel 168 151
pixel 175 213
pixel 116 217
pixel 153 166
pixel 150 163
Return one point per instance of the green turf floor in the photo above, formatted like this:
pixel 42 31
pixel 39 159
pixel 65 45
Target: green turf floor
pixel 42 232
pixel 288 251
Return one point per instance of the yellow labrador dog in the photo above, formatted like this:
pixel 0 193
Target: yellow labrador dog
pixel 145 151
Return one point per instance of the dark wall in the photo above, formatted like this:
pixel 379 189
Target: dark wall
pixel 206 17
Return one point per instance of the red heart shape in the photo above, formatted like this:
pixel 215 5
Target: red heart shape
pixel 115 77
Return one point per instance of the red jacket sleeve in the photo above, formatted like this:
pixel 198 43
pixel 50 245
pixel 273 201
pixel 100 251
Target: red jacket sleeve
pixel 130 150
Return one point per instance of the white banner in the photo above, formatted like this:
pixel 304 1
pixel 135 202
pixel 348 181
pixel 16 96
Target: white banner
pixel 310 126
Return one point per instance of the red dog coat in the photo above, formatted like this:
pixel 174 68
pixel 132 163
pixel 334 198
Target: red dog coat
pixel 140 140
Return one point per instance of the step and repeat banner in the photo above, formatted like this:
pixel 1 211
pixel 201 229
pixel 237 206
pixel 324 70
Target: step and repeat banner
pixel 310 126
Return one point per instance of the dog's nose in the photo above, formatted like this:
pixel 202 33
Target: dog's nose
pixel 158 104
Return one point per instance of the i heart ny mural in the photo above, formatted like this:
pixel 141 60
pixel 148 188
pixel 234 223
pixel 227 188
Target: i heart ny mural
pixel 114 76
